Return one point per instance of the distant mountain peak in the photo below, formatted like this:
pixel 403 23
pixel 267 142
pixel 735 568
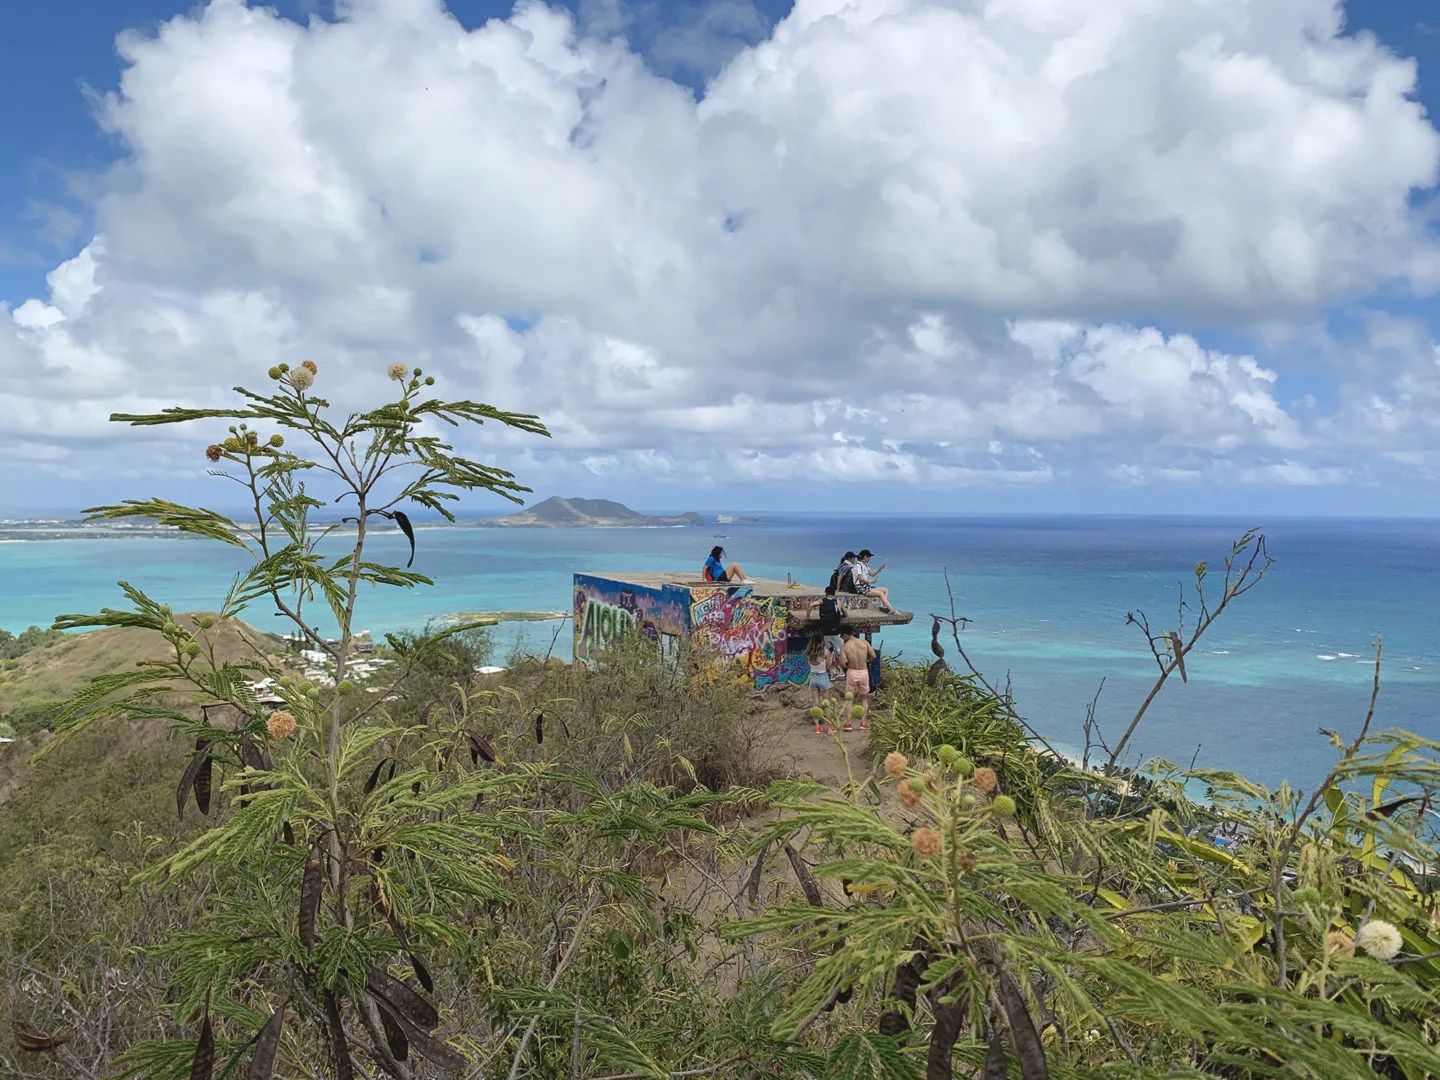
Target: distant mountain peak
pixel 558 512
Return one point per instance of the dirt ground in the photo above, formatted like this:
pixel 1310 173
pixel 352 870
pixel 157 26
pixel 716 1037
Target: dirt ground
pixel 795 747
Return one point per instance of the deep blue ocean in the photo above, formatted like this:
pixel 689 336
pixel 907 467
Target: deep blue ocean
pixel 1048 597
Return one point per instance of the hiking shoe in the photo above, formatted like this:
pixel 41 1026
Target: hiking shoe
pixel 818 730
pixel 848 727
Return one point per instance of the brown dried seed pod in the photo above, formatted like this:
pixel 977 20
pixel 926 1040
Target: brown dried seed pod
pixel 32 1041
pixel 187 778
pixel 267 1047
pixel 394 1036
pixel 202 1066
pixel 203 777
pixel 995 1063
pixel 374 777
pixel 433 1050
pixel 480 748
pixel 422 972
pixel 339 1045
pixel 287 833
pixel 310 886
pixel 407 1003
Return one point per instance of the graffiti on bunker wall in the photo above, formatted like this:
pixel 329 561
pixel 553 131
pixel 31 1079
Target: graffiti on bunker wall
pixel 607 610
pixel 744 629
pixel 793 669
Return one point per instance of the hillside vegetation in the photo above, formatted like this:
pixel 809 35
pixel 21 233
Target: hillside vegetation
pixel 412 870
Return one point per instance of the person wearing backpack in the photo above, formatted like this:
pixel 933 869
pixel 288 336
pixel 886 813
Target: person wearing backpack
pixel 828 616
pixel 842 578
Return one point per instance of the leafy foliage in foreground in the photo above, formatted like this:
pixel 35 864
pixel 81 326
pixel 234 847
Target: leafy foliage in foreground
pixel 572 874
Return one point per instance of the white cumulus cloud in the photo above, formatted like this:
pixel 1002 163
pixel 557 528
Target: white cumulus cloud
pixel 907 242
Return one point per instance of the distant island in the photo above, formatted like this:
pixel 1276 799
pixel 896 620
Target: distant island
pixel 558 513
pixel 735 519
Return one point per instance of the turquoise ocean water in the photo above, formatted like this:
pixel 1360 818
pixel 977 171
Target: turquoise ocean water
pixel 1048 599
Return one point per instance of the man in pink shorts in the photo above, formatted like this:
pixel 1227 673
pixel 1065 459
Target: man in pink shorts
pixel 855 656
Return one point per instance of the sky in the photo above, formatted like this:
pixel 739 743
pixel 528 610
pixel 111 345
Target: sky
pixel 1170 256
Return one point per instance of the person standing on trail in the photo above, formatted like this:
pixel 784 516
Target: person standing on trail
pixel 818 655
pixel 855 656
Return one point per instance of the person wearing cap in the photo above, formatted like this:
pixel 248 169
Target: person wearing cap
pixel 865 579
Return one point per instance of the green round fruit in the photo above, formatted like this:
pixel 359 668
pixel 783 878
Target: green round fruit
pixel 1002 806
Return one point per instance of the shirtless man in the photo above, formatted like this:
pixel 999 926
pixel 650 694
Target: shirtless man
pixel 855 656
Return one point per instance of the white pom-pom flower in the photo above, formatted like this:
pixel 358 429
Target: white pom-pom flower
pixel 1378 938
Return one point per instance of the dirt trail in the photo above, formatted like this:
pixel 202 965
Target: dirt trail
pixel 796 748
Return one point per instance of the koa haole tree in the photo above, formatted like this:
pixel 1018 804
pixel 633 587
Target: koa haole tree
pixel 346 840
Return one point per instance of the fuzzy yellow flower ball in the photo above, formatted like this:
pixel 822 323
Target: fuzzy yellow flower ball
pixel 926 843
pixel 397 371
pixel 985 779
pixel 280 725
pixel 908 797
pixel 1337 941
pixel 309 365
pixel 895 765
pixel 1380 939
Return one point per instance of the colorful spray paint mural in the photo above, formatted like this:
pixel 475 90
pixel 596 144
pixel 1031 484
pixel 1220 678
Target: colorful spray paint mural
pixel 606 610
pixel 749 631
pixel 757 634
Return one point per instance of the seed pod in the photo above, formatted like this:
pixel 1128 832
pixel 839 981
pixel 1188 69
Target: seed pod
pixel 287 833
pixel 339 1045
pixel 267 1047
pixel 540 727
pixel 408 530
pixel 935 646
pixel 995 1057
pixel 421 972
pixel 1028 1048
pixel 407 1003
pixel 480 748
pixel 203 1064
pixel 374 778
pixel 310 884
pixel 394 1036
pixel 806 879
pixel 433 1050
pixel 203 777
pixel 28 1039
pixel 192 770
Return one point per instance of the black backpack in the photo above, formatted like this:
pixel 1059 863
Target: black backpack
pixel 842 578
pixel 828 616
